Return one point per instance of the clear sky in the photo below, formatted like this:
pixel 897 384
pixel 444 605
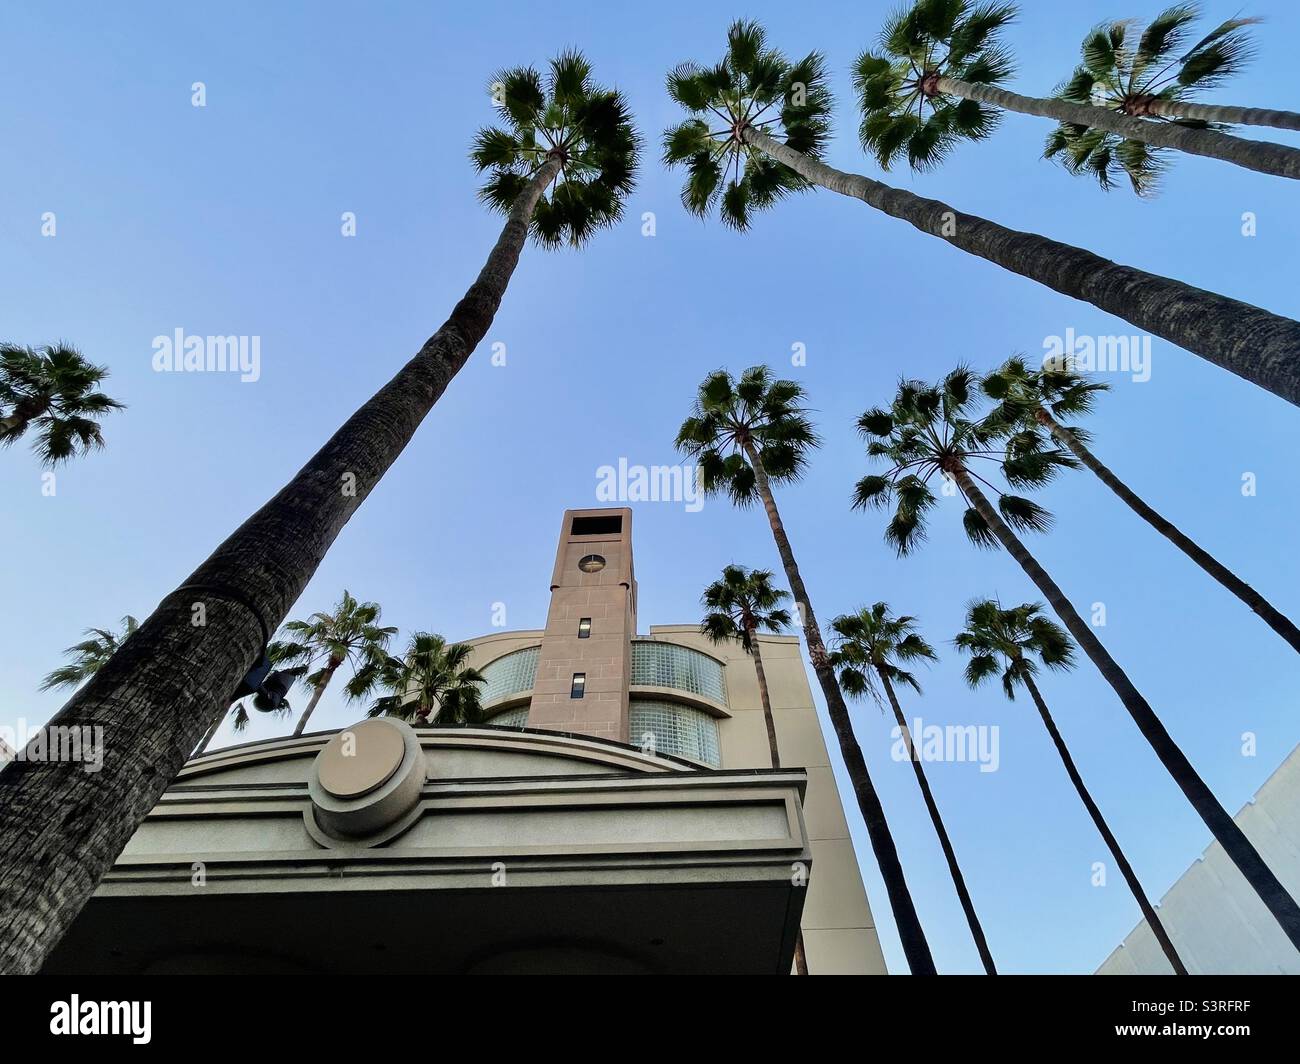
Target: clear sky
pixel 226 220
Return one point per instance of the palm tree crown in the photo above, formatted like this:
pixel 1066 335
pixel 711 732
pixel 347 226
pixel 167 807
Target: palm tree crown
pixel 54 392
pixel 351 636
pixel 1131 77
pixel 431 682
pixel 741 604
pixel 89 656
pixel 918 46
pixel 1057 387
pixel 933 429
pixel 753 87
pixel 733 420
pixel 871 644
pixel 1011 642
pixel 562 116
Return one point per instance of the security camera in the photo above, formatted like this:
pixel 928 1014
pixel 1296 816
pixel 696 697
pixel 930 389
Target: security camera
pixel 269 687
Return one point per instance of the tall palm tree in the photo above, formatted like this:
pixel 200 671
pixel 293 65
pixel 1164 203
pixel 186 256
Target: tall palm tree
pixel 90 655
pixel 946 54
pixel 568 151
pixel 765 121
pixel 1011 643
pixel 430 683
pixel 746 435
pixel 1042 396
pixel 932 430
pixel 351 636
pixel 738 607
pixel 1153 79
pixel 871 649
pixel 52 392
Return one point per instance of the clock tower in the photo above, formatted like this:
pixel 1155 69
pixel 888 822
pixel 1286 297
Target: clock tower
pixel 585 662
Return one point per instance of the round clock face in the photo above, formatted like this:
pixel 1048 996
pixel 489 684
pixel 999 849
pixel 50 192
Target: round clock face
pixel 592 563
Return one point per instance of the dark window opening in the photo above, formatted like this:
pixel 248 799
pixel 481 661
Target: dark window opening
pixel 597 526
pixel 579 685
pixel 584 628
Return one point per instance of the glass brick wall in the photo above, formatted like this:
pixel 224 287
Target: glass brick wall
pixel 681 668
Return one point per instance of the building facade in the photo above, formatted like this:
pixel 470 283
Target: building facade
pixel 1215 920
pixel 616 812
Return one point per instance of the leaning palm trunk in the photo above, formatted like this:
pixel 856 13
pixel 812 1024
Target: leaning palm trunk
pixel 1112 843
pixel 1276 620
pixel 1221 825
pixel 1268 158
pixel 910 932
pixel 315 697
pixel 1251 342
pixel 768 719
pixel 800 955
pixel 202 748
pixel 63 828
pixel 1239 116
pixel 950 855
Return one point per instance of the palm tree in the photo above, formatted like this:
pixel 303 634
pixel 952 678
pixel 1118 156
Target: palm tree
pixel 89 656
pixel 1012 643
pixel 569 152
pixel 753 81
pixel 1041 397
pixel 745 435
pixel 429 683
pixel 738 607
pixel 351 635
pixel 871 649
pixel 53 392
pixel 932 430
pixel 946 54
pixel 1153 82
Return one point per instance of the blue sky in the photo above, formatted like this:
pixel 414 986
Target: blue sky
pixel 226 220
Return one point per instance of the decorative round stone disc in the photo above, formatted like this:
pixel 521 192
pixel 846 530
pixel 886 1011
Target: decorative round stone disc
pixel 360 759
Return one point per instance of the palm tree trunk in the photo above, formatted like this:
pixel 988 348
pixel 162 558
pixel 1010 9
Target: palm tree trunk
pixel 1239 116
pixel 1221 825
pixel 910 932
pixel 1251 342
pixel 950 855
pixel 1112 843
pixel 800 956
pixel 1277 159
pixel 207 736
pixel 315 696
pixel 63 828
pixel 1276 620
pixel 768 719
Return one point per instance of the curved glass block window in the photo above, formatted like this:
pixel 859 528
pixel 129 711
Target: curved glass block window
pixel 669 728
pixel 681 668
pixel 511 718
pixel 510 674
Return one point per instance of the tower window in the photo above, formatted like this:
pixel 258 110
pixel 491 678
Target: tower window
pixel 584 628
pixel 579 685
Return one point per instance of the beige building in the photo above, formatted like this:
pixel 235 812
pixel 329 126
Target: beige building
pixel 618 812
pixel 1215 920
